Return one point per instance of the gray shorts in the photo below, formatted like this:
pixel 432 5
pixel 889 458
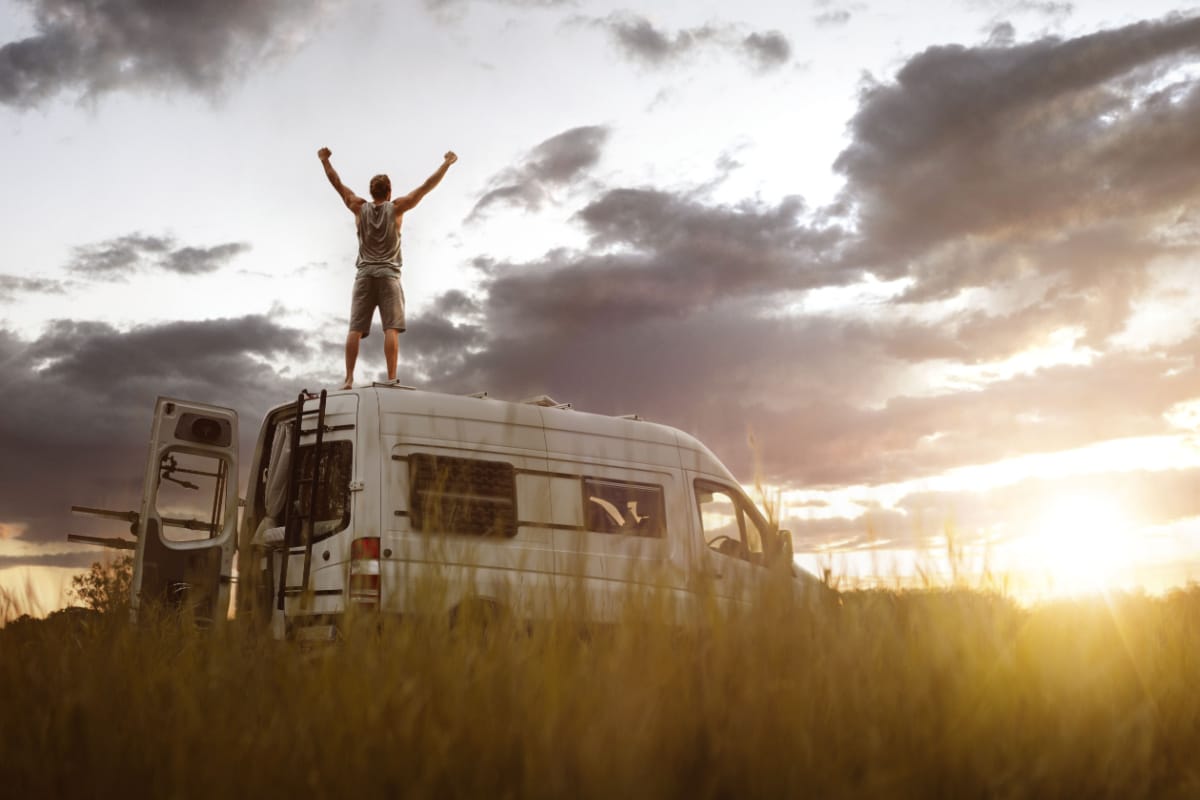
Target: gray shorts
pixel 369 293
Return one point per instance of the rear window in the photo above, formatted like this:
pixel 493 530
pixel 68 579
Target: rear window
pixel 462 495
pixel 332 513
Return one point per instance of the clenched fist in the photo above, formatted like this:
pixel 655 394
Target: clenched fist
pixel 324 153
pixel 450 157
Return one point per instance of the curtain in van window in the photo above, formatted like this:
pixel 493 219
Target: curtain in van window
pixel 277 470
pixel 332 512
pixel 620 507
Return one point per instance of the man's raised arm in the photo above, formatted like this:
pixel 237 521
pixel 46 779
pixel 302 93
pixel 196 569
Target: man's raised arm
pixel 412 198
pixel 352 201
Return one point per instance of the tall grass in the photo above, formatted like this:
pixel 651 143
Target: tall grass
pixel 951 693
pixel 16 602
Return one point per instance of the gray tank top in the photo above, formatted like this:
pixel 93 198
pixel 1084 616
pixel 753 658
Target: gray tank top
pixel 378 241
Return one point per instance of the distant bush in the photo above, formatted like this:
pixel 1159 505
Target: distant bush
pixel 105 587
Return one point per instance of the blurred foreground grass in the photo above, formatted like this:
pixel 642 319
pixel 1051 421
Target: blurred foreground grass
pixel 883 694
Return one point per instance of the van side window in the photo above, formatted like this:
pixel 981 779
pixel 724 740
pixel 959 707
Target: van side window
pixel 462 495
pixel 720 521
pixel 190 495
pixel 730 524
pixel 636 509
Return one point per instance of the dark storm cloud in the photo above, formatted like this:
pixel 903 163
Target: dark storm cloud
pixel 91 48
pixel 455 303
pixel 436 345
pixel 91 355
pixel 640 39
pixel 1002 35
pixel 81 397
pixel 1074 163
pixel 556 162
pixel 768 49
pixel 11 285
pixel 117 259
pixel 199 260
pixel 440 339
pixel 697 370
pixel 1020 142
pixel 654 253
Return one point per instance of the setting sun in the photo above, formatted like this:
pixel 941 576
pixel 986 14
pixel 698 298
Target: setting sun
pixel 1078 544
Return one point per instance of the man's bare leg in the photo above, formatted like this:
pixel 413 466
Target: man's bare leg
pixel 352 340
pixel 391 350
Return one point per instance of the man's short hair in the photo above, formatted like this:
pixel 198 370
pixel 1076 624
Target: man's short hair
pixel 381 187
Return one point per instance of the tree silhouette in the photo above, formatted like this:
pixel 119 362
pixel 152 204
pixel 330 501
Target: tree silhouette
pixel 105 587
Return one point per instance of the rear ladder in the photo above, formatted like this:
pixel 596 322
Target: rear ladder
pixel 299 527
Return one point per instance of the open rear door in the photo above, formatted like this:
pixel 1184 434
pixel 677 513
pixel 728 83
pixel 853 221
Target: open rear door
pixel 187 526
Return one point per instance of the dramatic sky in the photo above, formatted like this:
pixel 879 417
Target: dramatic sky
pixel 919 271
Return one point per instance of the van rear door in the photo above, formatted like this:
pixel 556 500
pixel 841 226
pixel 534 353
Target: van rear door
pixel 187 525
pixel 323 504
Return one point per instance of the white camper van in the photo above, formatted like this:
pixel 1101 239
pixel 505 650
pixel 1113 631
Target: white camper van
pixel 355 497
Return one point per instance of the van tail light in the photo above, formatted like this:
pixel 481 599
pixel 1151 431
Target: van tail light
pixel 364 573
pixel 362 549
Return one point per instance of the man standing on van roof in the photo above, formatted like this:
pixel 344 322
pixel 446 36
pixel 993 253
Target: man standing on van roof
pixel 377 284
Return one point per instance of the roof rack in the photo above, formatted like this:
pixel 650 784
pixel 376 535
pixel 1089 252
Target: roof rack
pixel 545 401
pixel 392 385
pixel 634 417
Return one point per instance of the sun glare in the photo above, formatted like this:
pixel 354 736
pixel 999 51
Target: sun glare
pixel 1078 545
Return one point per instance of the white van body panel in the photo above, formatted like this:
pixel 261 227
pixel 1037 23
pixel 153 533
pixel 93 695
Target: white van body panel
pixel 587 511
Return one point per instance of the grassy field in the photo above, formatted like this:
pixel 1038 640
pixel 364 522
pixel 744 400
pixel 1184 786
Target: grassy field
pixel 881 694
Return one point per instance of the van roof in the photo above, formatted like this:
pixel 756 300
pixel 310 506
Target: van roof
pixel 539 411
